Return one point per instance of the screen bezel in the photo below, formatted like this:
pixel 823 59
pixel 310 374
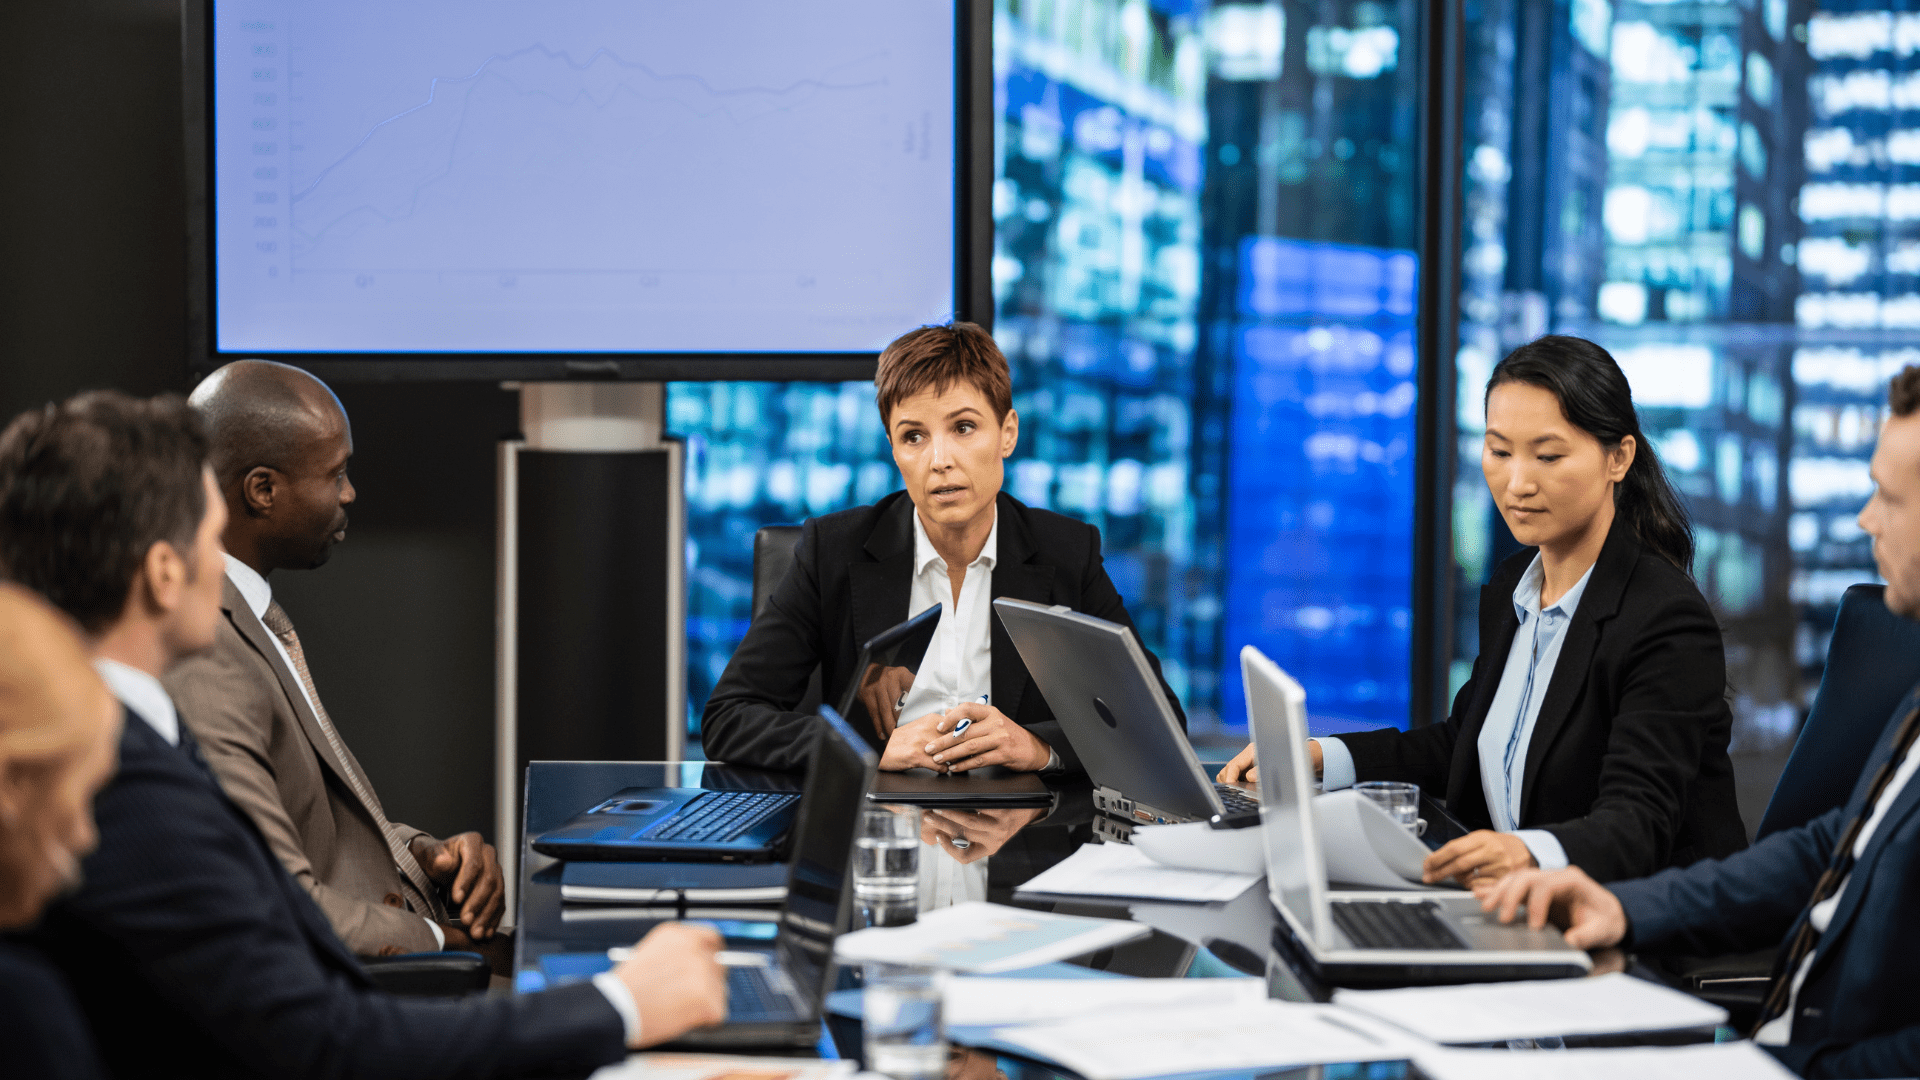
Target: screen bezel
pixel 972 251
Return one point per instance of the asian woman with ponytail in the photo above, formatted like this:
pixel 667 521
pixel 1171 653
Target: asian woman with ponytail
pixel 1593 731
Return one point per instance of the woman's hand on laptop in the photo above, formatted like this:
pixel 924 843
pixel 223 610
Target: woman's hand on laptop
pixel 907 746
pixel 989 739
pixel 676 982
pixel 1481 854
pixel 1572 901
pixel 882 694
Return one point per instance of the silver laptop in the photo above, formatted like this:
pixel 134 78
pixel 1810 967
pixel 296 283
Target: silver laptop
pixel 1374 937
pixel 1098 683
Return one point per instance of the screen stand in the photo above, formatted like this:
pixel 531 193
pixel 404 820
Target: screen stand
pixel 590 647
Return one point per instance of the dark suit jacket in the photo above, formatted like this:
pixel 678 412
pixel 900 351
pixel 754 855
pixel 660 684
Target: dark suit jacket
pixel 42 1034
pixel 194 953
pixel 1627 766
pixel 1858 1013
pixel 852 578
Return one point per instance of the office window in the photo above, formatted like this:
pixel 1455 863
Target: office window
pixel 1204 278
pixel 1722 195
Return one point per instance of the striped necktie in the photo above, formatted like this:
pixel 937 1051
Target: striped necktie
pixel 1806 939
pixel 411 873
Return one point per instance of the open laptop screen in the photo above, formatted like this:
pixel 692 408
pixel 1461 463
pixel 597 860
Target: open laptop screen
pixel 838 773
pixel 886 669
pixel 1277 718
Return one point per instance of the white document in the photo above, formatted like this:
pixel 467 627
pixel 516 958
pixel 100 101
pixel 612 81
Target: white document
pixel 1493 1012
pixel 988 1002
pixel 1722 1061
pixel 1151 1041
pixel 1365 846
pixel 984 939
pixel 661 1066
pixel 1125 871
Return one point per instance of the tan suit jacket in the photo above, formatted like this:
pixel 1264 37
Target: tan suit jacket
pixel 245 707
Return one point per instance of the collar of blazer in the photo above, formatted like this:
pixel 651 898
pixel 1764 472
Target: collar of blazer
pixel 1498 624
pixel 883 587
pixel 1902 808
pixel 257 635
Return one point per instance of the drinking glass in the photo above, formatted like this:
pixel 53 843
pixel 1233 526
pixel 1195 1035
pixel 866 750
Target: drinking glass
pixel 886 856
pixel 1400 801
pixel 901 1014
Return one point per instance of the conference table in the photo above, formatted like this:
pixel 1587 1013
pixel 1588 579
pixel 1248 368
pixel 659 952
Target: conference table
pixel 555 941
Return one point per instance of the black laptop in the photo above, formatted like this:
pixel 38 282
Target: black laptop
pixel 780 1003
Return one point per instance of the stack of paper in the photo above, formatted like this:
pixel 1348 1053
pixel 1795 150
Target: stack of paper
pixel 659 1066
pixel 1613 1004
pixel 1724 1061
pixel 986 1002
pixel 1149 1040
pixel 1120 870
pixel 984 939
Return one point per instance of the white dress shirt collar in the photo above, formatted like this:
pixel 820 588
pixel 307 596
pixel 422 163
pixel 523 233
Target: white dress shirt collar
pixel 253 588
pixel 924 555
pixel 143 694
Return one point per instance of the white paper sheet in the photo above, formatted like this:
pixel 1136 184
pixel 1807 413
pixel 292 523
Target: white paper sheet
pixel 1723 1061
pixel 1365 848
pixel 988 1002
pixel 1163 1042
pixel 1125 871
pixel 663 1066
pixel 1493 1012
pixel 984 939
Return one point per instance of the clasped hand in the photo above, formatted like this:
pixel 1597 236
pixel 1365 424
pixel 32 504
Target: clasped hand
pixel 467 867
pixel 981 832
pixel 991 739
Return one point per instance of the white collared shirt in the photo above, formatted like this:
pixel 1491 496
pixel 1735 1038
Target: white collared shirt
pixel 259 597
pixel 958 667
pixel 1779 1030
pixel 143 694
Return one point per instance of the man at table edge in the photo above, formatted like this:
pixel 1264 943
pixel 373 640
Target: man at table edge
pixel 1837 894
pixel 953 538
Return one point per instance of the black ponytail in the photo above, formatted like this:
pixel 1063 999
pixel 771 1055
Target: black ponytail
pixel 1593 393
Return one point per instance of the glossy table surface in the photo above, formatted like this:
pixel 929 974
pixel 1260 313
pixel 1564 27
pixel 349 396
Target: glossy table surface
pixel 1189 940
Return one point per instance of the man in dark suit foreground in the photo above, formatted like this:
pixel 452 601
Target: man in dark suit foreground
pixel 188 941
pixel 1839 893
pixel 58 728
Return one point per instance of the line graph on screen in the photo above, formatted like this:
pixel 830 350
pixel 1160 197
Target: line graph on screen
pixel 538 158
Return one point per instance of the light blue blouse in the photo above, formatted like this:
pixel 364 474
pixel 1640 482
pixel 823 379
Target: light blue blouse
pixel 1511 717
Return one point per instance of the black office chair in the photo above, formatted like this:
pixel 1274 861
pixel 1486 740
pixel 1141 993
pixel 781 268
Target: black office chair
pixel 772 557
pixel 1873 661
pixel 432 974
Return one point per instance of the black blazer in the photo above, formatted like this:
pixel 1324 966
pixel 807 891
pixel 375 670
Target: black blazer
pixel 193 953
pixel 852 578
pixel 1627 766
pixel 42 1034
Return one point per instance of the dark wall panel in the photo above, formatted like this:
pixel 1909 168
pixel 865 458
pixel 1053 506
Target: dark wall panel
pixel 92 255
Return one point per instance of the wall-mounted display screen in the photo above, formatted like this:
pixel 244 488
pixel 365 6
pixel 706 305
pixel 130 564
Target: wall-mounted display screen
pixel 578 176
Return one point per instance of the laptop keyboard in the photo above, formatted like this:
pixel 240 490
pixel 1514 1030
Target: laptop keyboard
pixel 751 996
pixel 1235 800
pixel 1389 924
pixel 720 816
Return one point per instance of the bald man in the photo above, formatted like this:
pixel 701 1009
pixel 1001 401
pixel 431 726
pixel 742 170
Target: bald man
pixel 58 730
pixel 280 447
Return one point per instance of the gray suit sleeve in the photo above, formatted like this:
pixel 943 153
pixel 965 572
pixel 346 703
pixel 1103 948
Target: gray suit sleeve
pixel 229 708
